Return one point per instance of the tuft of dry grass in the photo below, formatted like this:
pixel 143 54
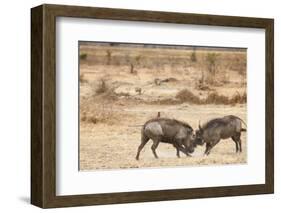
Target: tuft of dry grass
pixel 102 87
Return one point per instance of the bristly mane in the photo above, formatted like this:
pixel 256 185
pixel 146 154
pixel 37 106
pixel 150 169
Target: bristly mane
pixel 170 120
pixel 212 122
pixel 222 120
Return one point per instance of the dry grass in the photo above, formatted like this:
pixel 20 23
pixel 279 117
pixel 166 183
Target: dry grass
pixel 93 113
pixel 212 98
pixel 114 146
pixel 99 115
pixel 215 98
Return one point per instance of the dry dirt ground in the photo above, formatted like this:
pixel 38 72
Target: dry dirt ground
pixel 112 111
pixel 107 146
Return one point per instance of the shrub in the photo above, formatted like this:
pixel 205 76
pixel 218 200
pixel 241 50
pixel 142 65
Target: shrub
pixel 237 98
pixel 187 96
pixel 83 56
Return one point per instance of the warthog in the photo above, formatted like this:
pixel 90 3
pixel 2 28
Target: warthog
pixel 165 130
pixel 220 128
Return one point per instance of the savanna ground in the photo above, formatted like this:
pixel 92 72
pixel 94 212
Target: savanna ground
pixel 122 86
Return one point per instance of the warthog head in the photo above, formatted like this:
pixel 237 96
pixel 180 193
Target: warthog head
pixel 189 144
pixel 198 140
pixel 190 149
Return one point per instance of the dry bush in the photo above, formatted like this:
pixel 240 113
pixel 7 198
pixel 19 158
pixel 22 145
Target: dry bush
pixel 83 79
pixel 97 117
pixel 138 90
pixel 122 94
pixel 101 115
pixel 239 63
pixel 83 56
pixel 244 97
pixel 102 87
pixel 237 98
pixel 212 62
pixel 158 81
pixel 210 79
pixel 171 79
pixel 91 112
pixel 132 69
pixel 166 101
pixel 187 96
pixel 212 98
pixel 203 87
pixel 215 98
pixel 110 95
pixel 224 78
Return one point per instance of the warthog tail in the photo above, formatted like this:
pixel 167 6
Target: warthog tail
pixel 243 129
pixel 241 121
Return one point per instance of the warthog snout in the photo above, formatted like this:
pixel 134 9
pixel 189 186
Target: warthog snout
pixel 190 149
pixel 198 140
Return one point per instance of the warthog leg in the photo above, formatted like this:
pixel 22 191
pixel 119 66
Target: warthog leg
pixel 237 141
pixel 154 147
pixel 181 148
pixel 143 142
pixel 236 144
pixel 177 151
pixel 240 145
pixel 209 146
